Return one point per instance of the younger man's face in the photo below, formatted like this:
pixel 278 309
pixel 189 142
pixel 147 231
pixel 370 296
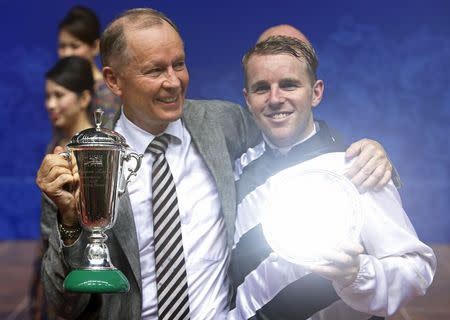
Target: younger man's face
pixel 280 96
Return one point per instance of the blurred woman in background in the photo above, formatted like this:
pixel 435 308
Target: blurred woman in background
pixel 79 35
pixel 69 91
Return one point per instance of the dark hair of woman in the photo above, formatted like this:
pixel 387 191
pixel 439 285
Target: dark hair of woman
pixel 72 73
pixel 82 23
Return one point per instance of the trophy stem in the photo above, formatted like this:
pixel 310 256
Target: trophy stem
pixel 96 254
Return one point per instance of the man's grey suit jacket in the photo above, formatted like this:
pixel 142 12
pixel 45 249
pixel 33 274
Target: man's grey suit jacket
pixel 221 132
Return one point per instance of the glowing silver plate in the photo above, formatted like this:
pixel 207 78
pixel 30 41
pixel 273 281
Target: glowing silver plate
pixel 310 213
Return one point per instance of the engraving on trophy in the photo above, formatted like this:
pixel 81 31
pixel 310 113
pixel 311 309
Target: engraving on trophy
pixel 93 161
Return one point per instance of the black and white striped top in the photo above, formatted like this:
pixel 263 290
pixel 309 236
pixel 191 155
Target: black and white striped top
pixel 293 293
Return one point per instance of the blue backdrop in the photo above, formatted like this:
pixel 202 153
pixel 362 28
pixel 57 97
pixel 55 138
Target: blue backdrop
pixel 386 66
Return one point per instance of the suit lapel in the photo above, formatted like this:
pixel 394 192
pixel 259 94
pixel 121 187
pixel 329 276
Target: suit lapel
pixel 211 145
pixel 125 233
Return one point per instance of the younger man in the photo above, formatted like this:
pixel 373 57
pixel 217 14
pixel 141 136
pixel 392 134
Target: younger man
pixel 375 277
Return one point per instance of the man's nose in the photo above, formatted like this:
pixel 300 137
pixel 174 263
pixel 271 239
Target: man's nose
pixel 172 80
pixel 276 96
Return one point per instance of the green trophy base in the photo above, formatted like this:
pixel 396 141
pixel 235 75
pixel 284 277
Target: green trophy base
pixel 96 281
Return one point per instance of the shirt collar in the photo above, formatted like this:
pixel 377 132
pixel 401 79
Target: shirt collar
pixel 139 139
pixel 285 150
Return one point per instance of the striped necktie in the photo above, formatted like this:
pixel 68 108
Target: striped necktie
pixel 170 268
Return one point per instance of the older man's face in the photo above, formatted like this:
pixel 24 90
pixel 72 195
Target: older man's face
pixel 280 96
pixel 152 82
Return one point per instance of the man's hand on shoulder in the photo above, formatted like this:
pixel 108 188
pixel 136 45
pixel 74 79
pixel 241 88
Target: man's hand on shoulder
pixel 371 169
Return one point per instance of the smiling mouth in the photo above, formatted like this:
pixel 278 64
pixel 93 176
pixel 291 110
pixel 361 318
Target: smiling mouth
pixel 168 100
pixel 279 115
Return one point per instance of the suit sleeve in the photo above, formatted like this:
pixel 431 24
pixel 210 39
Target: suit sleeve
pixel 57 262
pixel 252 132
pixel 240 130
pixel 397 266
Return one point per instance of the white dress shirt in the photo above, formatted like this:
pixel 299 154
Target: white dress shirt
pixel 202 223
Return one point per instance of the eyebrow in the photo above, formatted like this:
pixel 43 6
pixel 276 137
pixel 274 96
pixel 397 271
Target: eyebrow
pixel 259 83
pixel 284 80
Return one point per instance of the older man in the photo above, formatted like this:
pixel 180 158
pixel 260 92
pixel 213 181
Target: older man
pixel 375 276
pixel 177 267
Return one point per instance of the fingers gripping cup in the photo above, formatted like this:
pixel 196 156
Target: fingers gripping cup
pixel 99 154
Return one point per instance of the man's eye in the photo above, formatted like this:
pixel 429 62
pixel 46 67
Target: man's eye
pixel 179 66
pixel 289 86
pixel 155 72
pixel 261 89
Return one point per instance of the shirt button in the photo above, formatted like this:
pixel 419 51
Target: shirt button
pixel 273 257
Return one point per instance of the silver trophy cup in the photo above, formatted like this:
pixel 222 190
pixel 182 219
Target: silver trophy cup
pixel 100 155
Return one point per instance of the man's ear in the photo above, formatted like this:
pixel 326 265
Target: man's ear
pixel 318 88
pixel 112 81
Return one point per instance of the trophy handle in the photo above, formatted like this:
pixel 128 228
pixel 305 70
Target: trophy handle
pixel 127 157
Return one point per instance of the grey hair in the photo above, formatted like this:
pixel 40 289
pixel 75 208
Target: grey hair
pixel 113 46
